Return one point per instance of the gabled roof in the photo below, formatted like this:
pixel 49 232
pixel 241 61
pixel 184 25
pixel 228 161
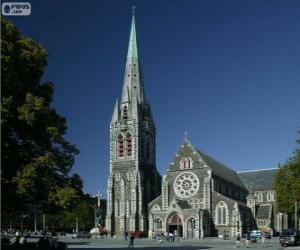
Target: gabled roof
pixel 258 179
pixel 218 169
pixel 157 201
pixel 221 170
pixel 264 211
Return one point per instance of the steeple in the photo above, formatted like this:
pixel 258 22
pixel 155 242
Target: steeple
pixel 133 178
pixel 133 88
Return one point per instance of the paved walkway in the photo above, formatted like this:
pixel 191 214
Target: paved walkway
pixel 148 244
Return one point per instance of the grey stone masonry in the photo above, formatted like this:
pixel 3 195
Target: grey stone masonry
pixel 134 179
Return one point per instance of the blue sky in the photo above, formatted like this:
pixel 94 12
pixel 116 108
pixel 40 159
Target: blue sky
pixel 227 71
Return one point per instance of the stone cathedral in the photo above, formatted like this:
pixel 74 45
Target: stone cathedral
pixel 197 196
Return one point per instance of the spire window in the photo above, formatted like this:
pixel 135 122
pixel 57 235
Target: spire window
pixel 129 144
pixel 120 146
pixel 125 113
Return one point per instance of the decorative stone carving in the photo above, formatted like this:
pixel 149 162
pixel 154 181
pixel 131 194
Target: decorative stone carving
pixel 186 184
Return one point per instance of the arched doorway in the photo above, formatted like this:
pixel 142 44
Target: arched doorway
pixel 174 224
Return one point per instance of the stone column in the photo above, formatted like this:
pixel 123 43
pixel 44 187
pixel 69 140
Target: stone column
pixel 165 195
pixel 164 225
pixel 151 226
pixel 207 190
pixel 197 228
pixel 184 227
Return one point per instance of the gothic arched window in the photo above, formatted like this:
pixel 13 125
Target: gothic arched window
pixel 129 144
pixel 186 163
pixel 221 211
pixel 125 113
pixel 158 224
pixel 120 146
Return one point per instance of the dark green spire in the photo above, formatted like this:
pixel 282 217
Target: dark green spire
pixel 133 81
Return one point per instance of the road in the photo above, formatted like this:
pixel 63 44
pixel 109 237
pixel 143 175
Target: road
pixel 148 244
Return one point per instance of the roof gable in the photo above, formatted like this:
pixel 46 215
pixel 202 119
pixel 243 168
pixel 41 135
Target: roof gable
pixel 186 150
pixel 264 211
pixel 201 160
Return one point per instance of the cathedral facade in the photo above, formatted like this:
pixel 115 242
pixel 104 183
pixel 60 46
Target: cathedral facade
pixel 197 196
pixel 200 197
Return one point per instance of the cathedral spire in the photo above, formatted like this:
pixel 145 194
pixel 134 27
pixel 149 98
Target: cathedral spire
pixel 133 82
pixel 132 47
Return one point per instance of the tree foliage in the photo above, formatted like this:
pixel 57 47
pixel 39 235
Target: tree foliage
pixel 287 182
pixel 36 158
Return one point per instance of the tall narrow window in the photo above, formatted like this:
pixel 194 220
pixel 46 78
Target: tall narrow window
pixel 125 112
pixel 120 146
pixel 189 163
pixel 260 196
pixel 184 163
pixel 221 211
pixel 129 144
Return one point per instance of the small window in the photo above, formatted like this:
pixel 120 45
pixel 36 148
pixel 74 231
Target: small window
pixel 260 197
pixel 125 112
pixel 128 75
pixel 134 75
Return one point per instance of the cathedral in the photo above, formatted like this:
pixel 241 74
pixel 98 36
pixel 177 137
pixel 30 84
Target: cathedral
pixel 197 195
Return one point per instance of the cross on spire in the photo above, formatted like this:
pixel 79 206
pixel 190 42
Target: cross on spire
pixel 185 135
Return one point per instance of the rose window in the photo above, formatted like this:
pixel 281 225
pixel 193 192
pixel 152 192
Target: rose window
pixel 186 185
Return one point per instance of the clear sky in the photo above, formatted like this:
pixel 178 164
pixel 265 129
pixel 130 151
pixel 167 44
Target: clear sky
pixel 227 71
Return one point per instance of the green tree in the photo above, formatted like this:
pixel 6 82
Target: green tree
pixel 83 212
pixel 36 158
pixel 287 183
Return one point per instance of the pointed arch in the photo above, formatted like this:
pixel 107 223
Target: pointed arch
pixel 186 163
pixel 157 224
pixel 222 213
